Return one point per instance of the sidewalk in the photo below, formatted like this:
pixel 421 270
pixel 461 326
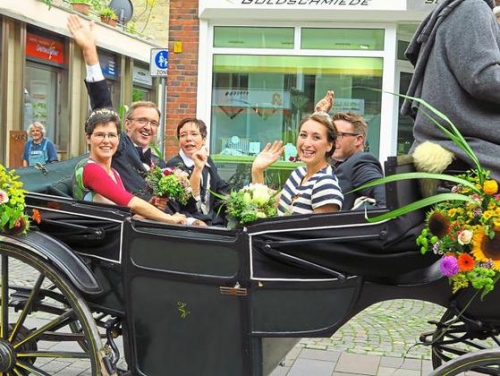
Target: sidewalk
pixel 379 341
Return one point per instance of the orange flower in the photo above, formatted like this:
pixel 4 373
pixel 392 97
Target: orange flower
pixel 490 187
pixel 37 217
pixel 465 262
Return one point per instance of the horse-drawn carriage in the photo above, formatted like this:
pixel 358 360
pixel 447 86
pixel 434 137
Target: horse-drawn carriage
pixel 214 301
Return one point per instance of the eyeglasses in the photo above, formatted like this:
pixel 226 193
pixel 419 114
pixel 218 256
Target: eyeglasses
pixel 145 121
pixel 101 136
pixel 343 134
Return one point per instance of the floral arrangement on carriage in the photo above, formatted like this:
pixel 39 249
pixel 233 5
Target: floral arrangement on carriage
pixel 248 204
pixel 462 226
pixel 172 183
pixel 13 219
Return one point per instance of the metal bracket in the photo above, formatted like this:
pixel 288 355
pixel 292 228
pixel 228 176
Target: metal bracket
pixel 236 290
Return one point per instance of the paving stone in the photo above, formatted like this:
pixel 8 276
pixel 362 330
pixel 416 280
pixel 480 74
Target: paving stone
pixel 304 367
pixel 354 363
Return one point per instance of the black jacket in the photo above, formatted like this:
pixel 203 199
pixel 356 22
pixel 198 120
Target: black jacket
pixel 357 170
pixel 218 185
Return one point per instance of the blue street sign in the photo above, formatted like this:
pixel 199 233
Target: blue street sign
pixel 158 65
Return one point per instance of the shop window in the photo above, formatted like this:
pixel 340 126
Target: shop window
pixel 253 37
pixel 343 39
pixel 259 99
pixel 143 84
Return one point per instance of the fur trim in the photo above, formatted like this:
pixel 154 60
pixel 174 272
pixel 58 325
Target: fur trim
pixel 431 157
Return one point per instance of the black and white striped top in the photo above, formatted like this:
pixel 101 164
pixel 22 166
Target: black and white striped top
pixel 321 189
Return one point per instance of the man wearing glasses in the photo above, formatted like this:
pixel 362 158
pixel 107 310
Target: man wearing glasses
pixel 353 166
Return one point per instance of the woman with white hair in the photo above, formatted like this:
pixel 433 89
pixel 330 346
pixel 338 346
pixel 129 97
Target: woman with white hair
pixel 39 149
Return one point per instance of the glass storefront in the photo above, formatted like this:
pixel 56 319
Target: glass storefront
pixel 45 75
pixel 259 99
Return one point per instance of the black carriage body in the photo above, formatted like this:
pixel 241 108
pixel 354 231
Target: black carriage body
pixel 213 301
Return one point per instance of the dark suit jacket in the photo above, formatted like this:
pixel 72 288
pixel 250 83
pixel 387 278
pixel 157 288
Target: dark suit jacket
pixel 127 160
pixel 357 170
pixel 217 185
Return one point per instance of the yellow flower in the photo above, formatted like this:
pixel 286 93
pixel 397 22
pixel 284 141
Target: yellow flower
pixel 485 249
pixel 490 187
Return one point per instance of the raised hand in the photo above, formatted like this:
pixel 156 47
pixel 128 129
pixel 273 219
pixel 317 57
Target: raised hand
pixel 326 103
pixel 270 154
pixel 200 157
pixel 85 37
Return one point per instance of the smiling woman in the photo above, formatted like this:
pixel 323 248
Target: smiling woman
pixel 95 180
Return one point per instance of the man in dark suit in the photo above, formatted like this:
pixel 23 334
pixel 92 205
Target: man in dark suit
pixel 353 166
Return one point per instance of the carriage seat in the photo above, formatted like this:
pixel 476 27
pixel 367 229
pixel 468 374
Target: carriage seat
pixel 345 243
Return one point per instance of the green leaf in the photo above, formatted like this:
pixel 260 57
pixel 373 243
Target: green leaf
pixel 418 175
pixel 419 205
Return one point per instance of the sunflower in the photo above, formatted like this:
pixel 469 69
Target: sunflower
pixel 439 224
pixel 486 249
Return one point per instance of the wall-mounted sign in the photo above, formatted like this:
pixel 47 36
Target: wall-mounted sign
pixel 46 49
pixel 304 4
pixel 141 76
pixel 109 65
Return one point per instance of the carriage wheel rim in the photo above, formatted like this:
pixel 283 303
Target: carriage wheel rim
pixel 18 343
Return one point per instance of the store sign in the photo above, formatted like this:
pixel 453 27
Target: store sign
pixel 45 49
pixel 304 4
pixel 141 76
pixel 422 4
pixel 109 65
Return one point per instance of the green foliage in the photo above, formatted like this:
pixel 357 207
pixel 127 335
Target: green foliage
pixel 107 12
pixel 12 202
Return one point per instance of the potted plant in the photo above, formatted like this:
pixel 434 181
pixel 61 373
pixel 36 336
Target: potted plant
pixel 81 6
pixel 108 16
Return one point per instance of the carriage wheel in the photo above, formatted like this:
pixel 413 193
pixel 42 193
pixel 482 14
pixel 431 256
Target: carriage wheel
pixel 38 309
pixel 455 337
pixel 483 362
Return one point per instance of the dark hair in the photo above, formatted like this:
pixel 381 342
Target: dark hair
pixel 102 116
pixel 331 129
pixel 130 112
pixel 199 123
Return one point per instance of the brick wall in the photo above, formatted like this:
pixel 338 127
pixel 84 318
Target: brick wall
pixel 182 69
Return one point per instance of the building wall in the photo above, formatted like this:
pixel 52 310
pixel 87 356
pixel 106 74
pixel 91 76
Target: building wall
pixel 182 81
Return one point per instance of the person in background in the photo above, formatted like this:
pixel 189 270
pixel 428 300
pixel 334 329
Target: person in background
pixel 194 159
pixel 353 166
pixel 39 149
pixel 456 55
pixel 95 180
pixel 312 188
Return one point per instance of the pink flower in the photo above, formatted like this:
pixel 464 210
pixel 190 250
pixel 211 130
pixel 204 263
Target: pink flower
pixel 3 197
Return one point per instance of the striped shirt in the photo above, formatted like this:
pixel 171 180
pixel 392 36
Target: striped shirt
pixel 302 198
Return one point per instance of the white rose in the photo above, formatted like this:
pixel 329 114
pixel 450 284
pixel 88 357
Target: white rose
pixel 464 237
pixel 247 198
pixel 261 195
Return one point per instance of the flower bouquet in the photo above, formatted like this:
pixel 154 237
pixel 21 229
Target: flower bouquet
pixel 462 226
pixel 467 235
pixel 252 202
pixel 172 183
pixel 13 220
